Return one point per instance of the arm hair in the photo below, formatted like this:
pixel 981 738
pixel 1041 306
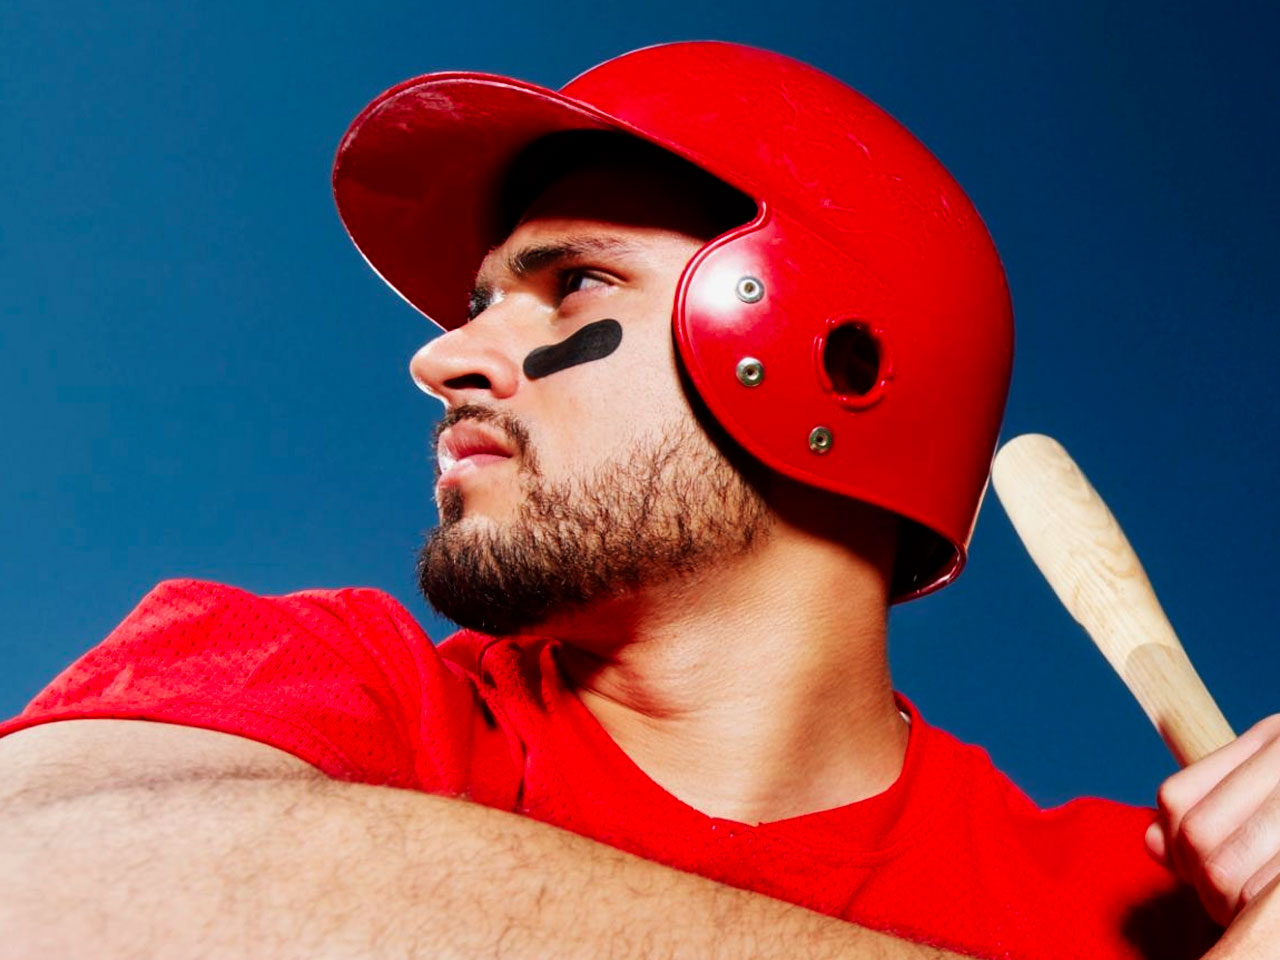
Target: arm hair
pixel 239 850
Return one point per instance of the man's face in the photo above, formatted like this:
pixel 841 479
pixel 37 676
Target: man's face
pixel 572 466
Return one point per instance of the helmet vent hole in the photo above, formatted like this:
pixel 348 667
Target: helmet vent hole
pixel 852 358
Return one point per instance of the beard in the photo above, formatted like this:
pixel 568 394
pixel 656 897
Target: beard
pixel 674 506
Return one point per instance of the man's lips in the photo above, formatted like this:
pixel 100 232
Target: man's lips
pixel 467 446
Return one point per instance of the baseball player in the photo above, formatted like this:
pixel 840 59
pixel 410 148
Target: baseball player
pixel 724 359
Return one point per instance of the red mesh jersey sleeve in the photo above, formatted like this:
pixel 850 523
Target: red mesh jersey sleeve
pixel 343 679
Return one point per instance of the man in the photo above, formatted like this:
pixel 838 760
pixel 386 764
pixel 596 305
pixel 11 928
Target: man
pixel 675 555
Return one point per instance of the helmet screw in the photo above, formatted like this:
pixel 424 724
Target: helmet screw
pixel 750 372
pixel 820 440
pixel 749 290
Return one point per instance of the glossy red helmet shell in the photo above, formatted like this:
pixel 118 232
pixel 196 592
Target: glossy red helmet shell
pixel 864 249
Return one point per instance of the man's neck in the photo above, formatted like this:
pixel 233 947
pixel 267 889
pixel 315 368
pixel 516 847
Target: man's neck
pixel 755 691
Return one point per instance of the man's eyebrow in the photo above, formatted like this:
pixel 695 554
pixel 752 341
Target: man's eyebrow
pixel 531 259
pixel 527 260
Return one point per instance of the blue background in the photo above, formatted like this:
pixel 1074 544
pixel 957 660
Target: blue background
pixel 201 377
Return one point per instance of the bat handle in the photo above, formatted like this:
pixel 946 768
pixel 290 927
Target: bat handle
pixel 1173 696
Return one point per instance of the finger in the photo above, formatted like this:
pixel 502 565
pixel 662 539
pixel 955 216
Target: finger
pixel 1158 845
pixel 1230 802
pixel 1182 791
pixel 1247 852
pixel 1231 833
pixel 1260 881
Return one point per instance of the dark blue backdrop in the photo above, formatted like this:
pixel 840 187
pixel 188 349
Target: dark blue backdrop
pixel 201 377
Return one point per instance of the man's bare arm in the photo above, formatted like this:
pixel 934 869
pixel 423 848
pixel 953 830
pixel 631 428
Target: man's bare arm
pixel 147 840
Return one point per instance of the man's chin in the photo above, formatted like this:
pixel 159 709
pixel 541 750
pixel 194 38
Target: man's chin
pixel 469 522
pixel 665 511
pixel 469 574
pixel 457 511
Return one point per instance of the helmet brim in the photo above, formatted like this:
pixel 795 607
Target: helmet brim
pixel 419 173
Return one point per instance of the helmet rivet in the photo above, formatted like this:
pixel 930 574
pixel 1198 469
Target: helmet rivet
pixel 820 440
pixel 749 290
pixel 750 372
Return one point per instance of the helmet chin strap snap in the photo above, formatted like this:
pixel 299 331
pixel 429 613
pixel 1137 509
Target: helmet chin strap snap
pixel 820 440
pixel 749 290
pixel 595 341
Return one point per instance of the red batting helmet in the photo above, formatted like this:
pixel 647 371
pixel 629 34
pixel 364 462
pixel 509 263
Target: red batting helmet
pixel 856 335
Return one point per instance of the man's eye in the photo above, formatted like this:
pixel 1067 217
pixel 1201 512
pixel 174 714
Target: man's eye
pixel 574 281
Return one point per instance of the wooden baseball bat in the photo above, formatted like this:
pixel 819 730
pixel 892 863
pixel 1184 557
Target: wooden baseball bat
pixel 1083 553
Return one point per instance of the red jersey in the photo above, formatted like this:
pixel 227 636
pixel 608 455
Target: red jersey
pixel 951 854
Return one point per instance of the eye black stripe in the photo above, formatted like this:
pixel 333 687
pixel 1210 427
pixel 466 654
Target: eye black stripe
pixel 595 341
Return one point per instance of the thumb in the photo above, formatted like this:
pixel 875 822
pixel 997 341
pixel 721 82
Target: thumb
pixel 1158 845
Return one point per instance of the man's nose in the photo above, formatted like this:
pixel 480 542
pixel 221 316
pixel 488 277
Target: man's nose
pixel 466 364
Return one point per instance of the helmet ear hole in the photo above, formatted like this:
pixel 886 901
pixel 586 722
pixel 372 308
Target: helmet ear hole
pixel 853 360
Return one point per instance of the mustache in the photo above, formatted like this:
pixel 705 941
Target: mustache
pixel 514 430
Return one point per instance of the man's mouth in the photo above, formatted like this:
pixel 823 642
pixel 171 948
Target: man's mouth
pixel 466 447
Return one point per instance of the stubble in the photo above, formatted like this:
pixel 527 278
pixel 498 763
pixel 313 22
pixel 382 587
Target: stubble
pixel 670 508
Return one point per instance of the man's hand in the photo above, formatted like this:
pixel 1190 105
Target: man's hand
pixel 1219 824
pixel 1255 932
